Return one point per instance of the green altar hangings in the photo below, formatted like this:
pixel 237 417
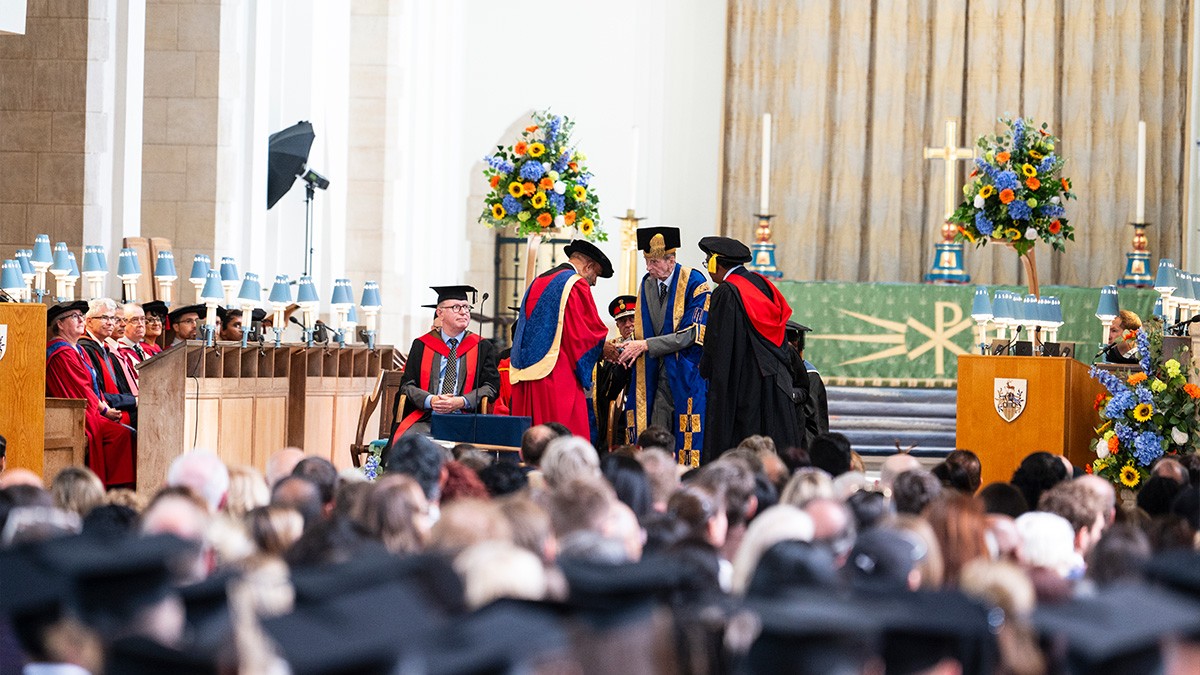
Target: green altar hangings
pixel 910 335
pixel 857 89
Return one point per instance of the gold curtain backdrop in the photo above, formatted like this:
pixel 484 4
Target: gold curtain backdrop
pixel 857 89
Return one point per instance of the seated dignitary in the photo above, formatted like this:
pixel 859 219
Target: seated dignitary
pixel 156 321
pixel 69 374
pixel 449 369
pixel 185 321
pixel 612 378
pixel 100 325
pixel 231 325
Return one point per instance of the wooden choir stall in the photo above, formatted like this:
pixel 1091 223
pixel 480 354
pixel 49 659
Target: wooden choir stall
pixel 246 403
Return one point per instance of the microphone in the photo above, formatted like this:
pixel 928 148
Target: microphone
pixel 481 304
pixel 1183 323
pixel 1005 348
pixel 1105 349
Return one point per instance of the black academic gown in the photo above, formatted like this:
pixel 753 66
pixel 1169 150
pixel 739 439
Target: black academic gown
pixel 816 419
pixel 109 370
pixel 750 386
pixel 420 373
pixel 611 380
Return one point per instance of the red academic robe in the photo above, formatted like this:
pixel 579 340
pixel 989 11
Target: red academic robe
pixel 504 398
pixel 110 445
pixel 552 368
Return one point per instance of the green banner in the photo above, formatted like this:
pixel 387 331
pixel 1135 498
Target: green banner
pixel 910 335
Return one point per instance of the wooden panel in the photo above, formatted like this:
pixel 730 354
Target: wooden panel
pixel 1058 416
pixel 235 431
pixel 346 409
pixel 23 384
pixel 162 418
pixel 270 427
pixel 65 436
pixel 318 426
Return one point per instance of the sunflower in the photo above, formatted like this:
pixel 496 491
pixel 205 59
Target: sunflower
pixel 1130 476
pixel 516 189
pixel 1034 154
pixel 580 192
pixel 1143 412
pixel 1026 169
pixel 539 200
pixel 536 149
pixel 498 211
pixel 987 191
pixel 586 226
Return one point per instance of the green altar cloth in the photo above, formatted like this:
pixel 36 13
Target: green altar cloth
pixel 910 335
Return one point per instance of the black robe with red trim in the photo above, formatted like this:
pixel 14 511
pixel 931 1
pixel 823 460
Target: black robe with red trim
pixel 477 367
pixel 747 364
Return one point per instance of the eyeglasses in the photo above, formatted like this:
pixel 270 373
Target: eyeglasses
pixel 73 316
pixel 182 322
pixel 136 319
pixel 105 318
pixel 153 319
pixel 459 309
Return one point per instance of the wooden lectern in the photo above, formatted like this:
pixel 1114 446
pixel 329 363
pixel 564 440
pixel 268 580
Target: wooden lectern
pixel 1058 414
pixel 23 383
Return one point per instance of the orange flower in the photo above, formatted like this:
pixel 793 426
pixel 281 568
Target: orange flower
pixel 1101 400
pixel 572 166
pixel 1137 378
pixel 1087 469
pixel 546 184
pixel 530 188
pixel 1055 227
pixel 569 217
pixel 531 128
pixel 1192 390
pixel 1114 444
pixel 974 172
pixel 1006 196
pixel 545 219
pixel 495 181
pixel 520 147
pixel 1033 183
pixel 1066 183
pixel 1002 157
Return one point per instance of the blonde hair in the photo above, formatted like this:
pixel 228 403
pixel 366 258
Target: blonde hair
pixel 77 489
pixel 247 491
pixel 274 529
pixel 491 570
pixel 1129 320
pixel 806 485
pixel 782 522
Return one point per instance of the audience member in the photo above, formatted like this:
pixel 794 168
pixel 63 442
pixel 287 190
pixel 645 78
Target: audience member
pixel 778 523
pixel 1119 556
pixel 971 469
pixel 1003 498
pixel 1037 473
pixel 833 526
pixel 323 474
pixel 628 479
pixel 1080 506
pixel 894 465
pixel 1157 494
pixel 503 478
pixel 914 490
pixel 830 452
pixel 461 483
pixel 663 473
pixel 958 522
pixel 77 489
pixel 657 438
pixel 247 491
pixel 806 484
pixel 281 463
pixel 567 458
pixel 301 495
pixel 418 457
pixel 204 473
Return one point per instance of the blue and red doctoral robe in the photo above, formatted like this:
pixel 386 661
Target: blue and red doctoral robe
pixel 687 310
pixel 69 374
pixel 559 339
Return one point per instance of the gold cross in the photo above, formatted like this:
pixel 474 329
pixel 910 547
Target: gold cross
pixel 950 154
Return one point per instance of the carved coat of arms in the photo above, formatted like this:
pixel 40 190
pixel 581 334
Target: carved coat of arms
pixel 1010 396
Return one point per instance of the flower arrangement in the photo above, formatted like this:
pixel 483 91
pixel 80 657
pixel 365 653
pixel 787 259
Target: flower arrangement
pixel 1016 191
pixel 1150 413
pixel 541 181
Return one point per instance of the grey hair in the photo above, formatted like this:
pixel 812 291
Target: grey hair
pixel 100 306
pixel 569 457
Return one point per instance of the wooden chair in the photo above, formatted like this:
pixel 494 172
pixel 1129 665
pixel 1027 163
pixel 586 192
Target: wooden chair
pixel 369 403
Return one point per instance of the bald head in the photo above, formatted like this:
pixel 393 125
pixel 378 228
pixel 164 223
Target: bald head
pixel 894 466
pixel 19 476
pixel 281 463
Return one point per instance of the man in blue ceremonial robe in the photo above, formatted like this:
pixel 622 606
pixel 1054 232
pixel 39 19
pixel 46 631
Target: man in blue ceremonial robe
pixel 665 387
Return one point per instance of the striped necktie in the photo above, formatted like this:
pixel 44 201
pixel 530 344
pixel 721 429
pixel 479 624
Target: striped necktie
pixel 450 379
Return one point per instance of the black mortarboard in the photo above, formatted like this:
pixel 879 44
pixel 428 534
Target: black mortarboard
pixel 1178 569
pixel 206 605
pixel 657 241
pixel 813 631
pixel 729 252
pixel 587 248
pixel 55 311
pixel 460 292
pixel 607 594
pixel 883 557
pixel 1118 630
pixel 258 314
pixel 222 315
pixel 200 310
pixel 622 306
pixel 155 307
pixel 29 586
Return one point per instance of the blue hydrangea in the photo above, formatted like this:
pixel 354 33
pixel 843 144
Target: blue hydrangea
pixel 1111 382
pixel 1143 395
pixel 552 129
pixel 1124 433
pixel 370 467
pixel 499 164
pixel 1143 345
pixel 984 224
pixel 1046 163
pixel 1018 135
pixel 1019 210
pixel 1121 403
pixel 1007 180
pixel 986 168
pixel 560 165
pixel 532 170
pixel 584 179
pixel 1147 447
pixel 558 201
pixel 511 204
pixel 1050 210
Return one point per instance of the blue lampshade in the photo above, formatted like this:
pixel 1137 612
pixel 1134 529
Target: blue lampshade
pixel 1056 314
pixel 1164 281
pixel 127 263
pixel 10 277
pixel 1031 316
pixel 102 258
pixel 981 306
pixel 1000 311
pixel 23 256
pixel 164 267
pixel 251 290
pixel 212 287
pixel 343 295
pixel 352 316
pixel 41 250
pixel 62 259
pixel 370 296
pixel 1045 312
pixel 200 266
pixel 1184 287
pixel 281 291
pixel 1158 308
pixel 229 270
pixel 307 293
pixel 91 261
pixel 1108 307
pixel 74 266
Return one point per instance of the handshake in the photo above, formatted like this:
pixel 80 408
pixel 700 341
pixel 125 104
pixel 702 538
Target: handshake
pixel 624 353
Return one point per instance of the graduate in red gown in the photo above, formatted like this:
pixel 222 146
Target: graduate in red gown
pixel 560 336
pixel 69 374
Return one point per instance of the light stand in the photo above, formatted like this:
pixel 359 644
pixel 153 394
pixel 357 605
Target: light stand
pixel 280 298
pixel 312 182
pixel 165 275
pixel 248 298
pixel 41 259
pixel 61 269
pixel 212 295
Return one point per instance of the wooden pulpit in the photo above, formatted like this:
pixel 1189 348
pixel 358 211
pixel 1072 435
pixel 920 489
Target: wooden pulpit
pixel 1011 406
pixel 23 383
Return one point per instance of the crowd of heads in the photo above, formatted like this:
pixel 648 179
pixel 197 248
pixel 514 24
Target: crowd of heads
pixel 760 561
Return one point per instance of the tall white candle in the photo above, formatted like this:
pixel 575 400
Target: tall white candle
pixel 1141 173
pixel 764 200
pixel 633 173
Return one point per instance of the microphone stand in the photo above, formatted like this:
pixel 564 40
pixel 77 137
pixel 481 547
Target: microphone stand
pixel 1016 334
pixel 482 302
